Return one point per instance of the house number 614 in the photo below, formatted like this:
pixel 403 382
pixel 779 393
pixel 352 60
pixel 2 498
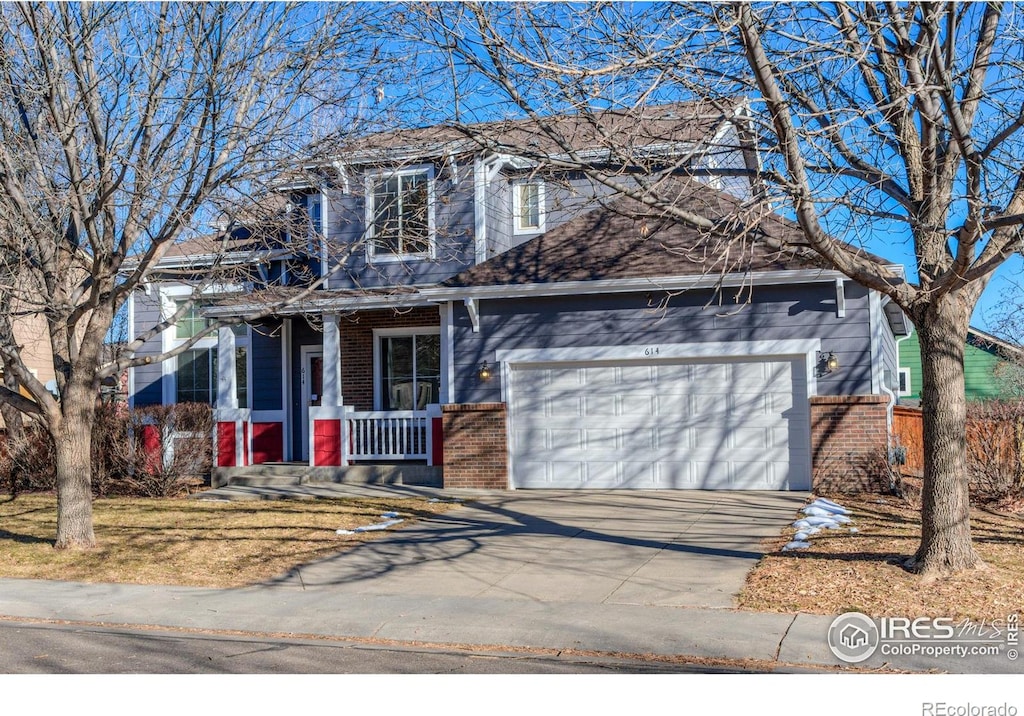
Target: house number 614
pixel 651 351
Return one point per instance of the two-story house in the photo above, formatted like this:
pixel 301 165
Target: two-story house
pixel 487 310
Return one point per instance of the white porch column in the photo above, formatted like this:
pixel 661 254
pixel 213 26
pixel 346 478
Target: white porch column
pixel 327 425
pixel 332 362
pixel 227 394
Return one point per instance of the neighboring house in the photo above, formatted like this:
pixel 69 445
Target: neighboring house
pixel 519 326
pixel 992 368
pixel 32 337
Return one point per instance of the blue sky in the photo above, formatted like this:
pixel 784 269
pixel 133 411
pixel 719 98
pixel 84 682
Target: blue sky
pixel 591 35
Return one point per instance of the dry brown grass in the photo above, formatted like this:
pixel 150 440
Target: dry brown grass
pixel 190 542
pixel 862 572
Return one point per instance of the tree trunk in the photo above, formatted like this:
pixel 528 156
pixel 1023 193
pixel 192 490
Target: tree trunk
pixel 945 511
pixel 73 450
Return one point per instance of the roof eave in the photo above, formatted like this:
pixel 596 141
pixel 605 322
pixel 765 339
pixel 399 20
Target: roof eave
pixel 629 285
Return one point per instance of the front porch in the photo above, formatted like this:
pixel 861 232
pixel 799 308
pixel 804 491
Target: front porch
pixel 332 392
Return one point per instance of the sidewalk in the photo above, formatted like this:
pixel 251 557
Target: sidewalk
pixel 714 633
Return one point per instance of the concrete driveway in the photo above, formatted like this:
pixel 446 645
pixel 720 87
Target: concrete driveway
pixel 680 548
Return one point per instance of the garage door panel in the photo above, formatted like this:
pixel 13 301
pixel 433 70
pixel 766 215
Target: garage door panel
pixel 637 405
pixel 731 424
pixel 599 405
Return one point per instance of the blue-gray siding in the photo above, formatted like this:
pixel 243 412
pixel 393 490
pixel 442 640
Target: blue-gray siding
pixel 775 313
pixel 265 380
pixel 148 379
pixel 454 224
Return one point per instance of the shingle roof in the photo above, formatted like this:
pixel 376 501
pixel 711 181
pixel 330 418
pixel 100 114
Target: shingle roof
pixel 639 128
pixel 625 239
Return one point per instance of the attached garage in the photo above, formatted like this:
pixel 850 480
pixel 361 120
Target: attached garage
pixel 710 423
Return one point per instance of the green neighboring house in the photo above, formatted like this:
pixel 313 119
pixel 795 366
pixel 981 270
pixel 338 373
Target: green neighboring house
pixel 992 368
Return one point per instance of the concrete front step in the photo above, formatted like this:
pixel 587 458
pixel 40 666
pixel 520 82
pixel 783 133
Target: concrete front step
pixel 285 474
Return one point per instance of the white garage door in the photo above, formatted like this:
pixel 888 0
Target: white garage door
pixel 724 424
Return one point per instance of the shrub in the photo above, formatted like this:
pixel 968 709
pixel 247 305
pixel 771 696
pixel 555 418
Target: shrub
pixel 167 450
pixel 158 451
pixel 995 433
pixel 27 461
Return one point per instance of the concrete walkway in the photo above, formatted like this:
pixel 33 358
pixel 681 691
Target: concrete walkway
pixel 637 573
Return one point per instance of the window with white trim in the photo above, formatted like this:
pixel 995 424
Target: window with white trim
pixel 408 370
pixel 195 370
pixel 904 386
pixel 400 214
pixel 528 206
pixel 314 215
pixel 196 376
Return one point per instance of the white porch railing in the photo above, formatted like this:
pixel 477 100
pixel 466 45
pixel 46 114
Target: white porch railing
pixel 388 435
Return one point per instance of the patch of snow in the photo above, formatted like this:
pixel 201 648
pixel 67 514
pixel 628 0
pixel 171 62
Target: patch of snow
pixel 450 500
pixel 815 511
pixel 386 515
pixel 827 506
pixel 796 544
pixel 822 514
pixel 372 528
pixel 379 525
pixel 826 522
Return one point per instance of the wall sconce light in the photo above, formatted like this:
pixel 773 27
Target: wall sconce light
pixel 484 373
pixel 827 363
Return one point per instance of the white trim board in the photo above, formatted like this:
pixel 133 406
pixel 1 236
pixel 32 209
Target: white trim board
pixel 629 285
pixel 305 353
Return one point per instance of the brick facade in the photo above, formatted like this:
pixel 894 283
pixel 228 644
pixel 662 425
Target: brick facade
pixel 357 347
pixel 475 446
pixel 849 443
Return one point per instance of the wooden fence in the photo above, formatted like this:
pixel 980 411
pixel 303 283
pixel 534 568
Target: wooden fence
pixel 995 445
pixel 908 429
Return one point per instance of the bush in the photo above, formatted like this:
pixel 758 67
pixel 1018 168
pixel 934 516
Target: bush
pixel 166 450
pixel 158 451
pixel 27 461
pixel 995 432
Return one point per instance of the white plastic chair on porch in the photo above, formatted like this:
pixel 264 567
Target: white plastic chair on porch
pixel 401 396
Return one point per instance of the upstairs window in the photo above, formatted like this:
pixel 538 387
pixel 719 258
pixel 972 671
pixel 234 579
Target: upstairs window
pixel 400 220
pixel 528 207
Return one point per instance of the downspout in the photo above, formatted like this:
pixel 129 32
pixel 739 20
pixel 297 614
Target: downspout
pixel 875 313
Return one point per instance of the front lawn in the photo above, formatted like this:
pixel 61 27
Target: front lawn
pixel 191 542
pixel 844 571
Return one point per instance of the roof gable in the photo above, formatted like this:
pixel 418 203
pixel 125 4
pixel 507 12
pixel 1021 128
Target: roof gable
pixel 623 239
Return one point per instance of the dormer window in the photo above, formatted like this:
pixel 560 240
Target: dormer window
pixel 528 207
pixel 400 214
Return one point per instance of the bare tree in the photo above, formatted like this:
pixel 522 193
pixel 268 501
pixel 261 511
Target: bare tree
pixel 125 128
pixel 883 122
